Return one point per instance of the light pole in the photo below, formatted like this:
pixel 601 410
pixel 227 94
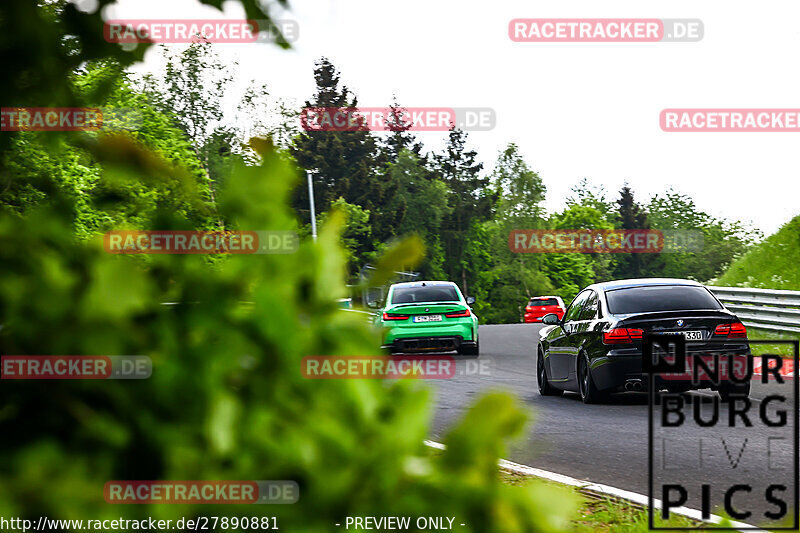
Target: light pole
pixel 311 204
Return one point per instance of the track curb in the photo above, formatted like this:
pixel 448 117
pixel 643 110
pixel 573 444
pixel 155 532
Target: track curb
pixel 637 499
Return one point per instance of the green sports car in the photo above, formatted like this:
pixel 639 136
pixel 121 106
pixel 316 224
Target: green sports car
pixel 428 316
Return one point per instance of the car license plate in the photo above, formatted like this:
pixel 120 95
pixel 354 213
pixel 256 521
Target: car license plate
pixel 428 318
pixel 694 335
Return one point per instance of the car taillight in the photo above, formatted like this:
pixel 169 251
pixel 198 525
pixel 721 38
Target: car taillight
pixel 732 331
pixel 622 335
pixel 738 331
pixel 458 314
pixel 389 316
pixel 528 309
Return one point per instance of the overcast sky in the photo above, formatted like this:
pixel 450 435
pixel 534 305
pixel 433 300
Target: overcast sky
pixel 575 109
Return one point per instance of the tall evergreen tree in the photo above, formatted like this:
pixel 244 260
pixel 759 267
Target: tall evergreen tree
pixel 402 156
pixel 471 200
pixel 421 204
pixel 634 216
pixel 344 162
pixel 400 138
pixel 631 214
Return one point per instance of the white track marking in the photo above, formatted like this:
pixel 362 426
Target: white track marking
pixel 634 497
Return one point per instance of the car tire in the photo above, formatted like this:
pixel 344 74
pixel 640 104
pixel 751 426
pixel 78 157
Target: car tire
pixel 588 390
pixel 728 390
pixel 470 349
pixel 545 389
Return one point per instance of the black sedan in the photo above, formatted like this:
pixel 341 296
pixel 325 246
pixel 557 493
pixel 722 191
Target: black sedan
pixel 596 349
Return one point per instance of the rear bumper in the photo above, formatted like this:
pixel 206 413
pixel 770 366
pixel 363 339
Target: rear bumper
pixel 428 344
pixel 612 372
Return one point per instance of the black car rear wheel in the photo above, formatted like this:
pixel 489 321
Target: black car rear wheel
pixel 586 386
pixel 545 389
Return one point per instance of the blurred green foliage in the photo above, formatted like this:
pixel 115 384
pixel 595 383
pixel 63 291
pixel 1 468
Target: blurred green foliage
pixel 227 399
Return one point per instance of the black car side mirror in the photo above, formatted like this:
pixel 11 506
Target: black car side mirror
pixel 551 319
pixel 470 300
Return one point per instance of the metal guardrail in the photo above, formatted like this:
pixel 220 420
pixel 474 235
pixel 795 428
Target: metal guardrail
pixel 762 308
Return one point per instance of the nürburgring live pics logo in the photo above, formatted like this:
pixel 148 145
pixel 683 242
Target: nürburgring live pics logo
pixel 739 454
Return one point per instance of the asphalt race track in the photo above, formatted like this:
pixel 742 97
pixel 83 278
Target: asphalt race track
pixel 608 443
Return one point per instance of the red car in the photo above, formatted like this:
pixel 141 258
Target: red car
pixel 542 305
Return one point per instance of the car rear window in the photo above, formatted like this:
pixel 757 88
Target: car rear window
pixel 543 301
pixel 409 295
pixel 659 298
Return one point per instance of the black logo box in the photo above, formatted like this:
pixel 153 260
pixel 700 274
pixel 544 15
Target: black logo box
pixel 651 368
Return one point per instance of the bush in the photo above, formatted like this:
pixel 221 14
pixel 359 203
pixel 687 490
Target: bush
pixel 227 399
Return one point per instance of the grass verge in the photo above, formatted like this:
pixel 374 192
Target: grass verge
pixel 784 350
pixel 605 514
pixel 771 264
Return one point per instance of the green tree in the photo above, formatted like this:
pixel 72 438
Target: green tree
pixel 421 203
pixel 400 138
pixel 504 280
pixel 585 215
pixel 194 84
pixel 344 162
pixel 586 194
pixel 191 92
pixel 470 201
pixel 258 114
pixel 632 216
pixel 54 38
pixel 520 189
pixel 722 240
pixel 108 195
pixel 356 237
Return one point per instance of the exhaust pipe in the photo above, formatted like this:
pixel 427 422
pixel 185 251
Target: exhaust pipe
pixel 633 385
